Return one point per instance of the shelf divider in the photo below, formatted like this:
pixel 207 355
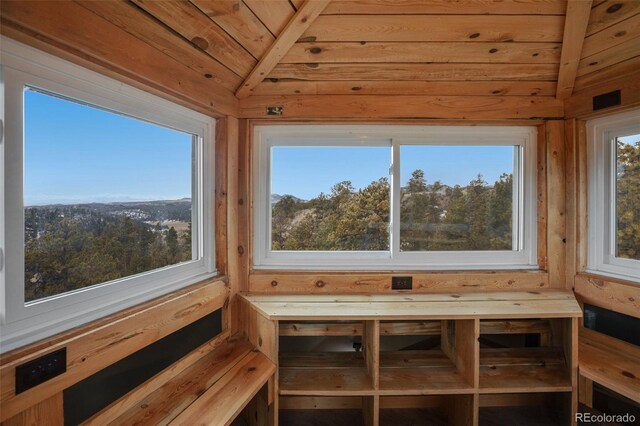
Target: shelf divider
pixel 371 410
pixel 467 350
pixel 371 348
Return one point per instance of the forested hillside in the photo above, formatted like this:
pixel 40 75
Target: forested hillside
pixel 433 217
pixel 68 247
pixel 628 200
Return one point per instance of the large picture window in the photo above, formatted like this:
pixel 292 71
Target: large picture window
pixel 388 197
pixel 614 195
pixel 108 195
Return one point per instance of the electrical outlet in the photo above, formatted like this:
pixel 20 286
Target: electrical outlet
pixel 401 283
pixel 40 370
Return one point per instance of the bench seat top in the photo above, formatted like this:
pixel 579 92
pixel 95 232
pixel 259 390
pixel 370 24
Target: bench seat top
pixel 610 362
pixel 407 306
pixel 213 390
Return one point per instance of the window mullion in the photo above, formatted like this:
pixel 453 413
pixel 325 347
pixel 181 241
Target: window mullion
pixel 395 199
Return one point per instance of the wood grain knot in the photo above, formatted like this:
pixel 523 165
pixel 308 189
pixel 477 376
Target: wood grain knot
pixel 474 35
pixel 274 283
pixel 207 75
pixel 200 43
pixel 614 8
pixel 315 50
pixel 320 283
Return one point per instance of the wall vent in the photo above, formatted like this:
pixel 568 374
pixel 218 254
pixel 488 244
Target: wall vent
pixel 607 100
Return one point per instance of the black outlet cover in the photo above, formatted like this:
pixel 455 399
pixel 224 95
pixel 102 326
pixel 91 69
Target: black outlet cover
pixel 40 370
pixel 401 283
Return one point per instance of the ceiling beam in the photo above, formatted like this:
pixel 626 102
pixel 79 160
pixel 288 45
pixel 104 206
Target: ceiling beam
pixel 298 24
pixel 575 29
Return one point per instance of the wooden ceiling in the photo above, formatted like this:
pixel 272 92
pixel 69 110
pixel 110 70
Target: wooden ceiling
pixel 383 47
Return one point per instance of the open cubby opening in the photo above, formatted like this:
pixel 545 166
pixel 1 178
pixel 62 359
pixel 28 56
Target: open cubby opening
pixel 525 409
pixel 326 410
pixel 333 358
pixel 424 357
pixel 432 410
pixel 523 356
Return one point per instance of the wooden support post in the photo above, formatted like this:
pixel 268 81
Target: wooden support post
pixel 371 347
pixel 581 189
pixel 585 391
pixel 571 355
pixel 467 350
pixel 556 227
pixel 230 130
pixel 571 202
pixel 263 334
pixel 371 410
pixel 541 196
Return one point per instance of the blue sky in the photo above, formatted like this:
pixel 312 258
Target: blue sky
pixel 79 154
pixel 76 154
pixel 305 172
pixel 629 140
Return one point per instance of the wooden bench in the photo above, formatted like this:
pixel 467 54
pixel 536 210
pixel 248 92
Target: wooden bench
pixel 610 362
pixel 213 390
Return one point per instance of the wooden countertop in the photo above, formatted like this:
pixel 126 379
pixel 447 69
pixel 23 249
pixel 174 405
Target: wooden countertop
pixel 407 306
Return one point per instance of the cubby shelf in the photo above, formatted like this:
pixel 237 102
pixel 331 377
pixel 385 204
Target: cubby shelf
pixel 420 373
pixel 444 355
pixel 324 373
pixel 524 370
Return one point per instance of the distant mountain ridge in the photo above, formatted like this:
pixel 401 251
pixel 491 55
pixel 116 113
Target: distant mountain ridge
pixel 275 198
pixel 153 210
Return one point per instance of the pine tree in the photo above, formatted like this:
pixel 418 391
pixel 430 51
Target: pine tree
pixel 628 200
pixel 501 213
pixel 478 214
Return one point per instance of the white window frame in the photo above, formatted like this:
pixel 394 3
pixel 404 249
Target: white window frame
pixel 267 136
pixel 22 323
pixel 601 136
